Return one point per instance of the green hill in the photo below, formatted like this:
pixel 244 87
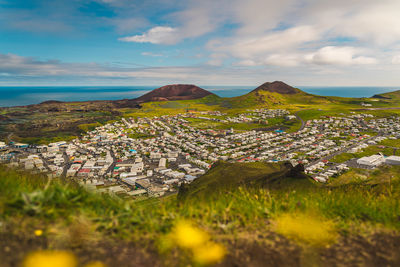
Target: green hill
pixel 389 95
pixel 224 177
pixel 276 94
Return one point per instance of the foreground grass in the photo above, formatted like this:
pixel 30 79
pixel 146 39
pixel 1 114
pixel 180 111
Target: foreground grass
pixel 49 201
pixel 311 216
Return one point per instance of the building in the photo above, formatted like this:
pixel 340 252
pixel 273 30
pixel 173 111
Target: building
pixel 2 145
pixel 162 163
pixel 393 160
pixel 371 161
pixel 20 145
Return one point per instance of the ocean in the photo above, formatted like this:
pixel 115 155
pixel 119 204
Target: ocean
pixel 18 96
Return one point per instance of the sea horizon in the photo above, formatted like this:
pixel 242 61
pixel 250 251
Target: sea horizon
pixel 27 95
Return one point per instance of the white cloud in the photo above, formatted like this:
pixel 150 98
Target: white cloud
pixel 272 42
pixel 373 21
pixel 396 59
pixel 329 55
pixel 17 70
pixel 286 32
pixel 285 60
pixel 156 35
pixel 216 59
pixel 339 56
pixel 247 63
pixel 198 19
pixel 273 48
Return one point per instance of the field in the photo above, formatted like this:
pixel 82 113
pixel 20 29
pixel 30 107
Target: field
pixel 384 174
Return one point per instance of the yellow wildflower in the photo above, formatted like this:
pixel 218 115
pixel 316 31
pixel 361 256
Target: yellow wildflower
pixel 38 232
pixel 197 242
pixel 95 264
pixel 187 236
pixel 209 253
pixel 50 259
pixel 307 229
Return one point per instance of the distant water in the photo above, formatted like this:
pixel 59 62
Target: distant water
pixel 18 96
pixel 347 91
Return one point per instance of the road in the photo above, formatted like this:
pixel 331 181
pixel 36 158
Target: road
pixel 112 166
pixel 45 163
pixel 303 124
pixel 67 165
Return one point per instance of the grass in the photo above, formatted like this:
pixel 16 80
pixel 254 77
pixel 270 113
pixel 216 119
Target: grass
pixel 35 197
pixel 48 139
pixel 311 216
pixel 86 127
pixel 383 174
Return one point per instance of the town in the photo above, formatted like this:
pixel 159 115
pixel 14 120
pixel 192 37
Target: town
pixel 151 157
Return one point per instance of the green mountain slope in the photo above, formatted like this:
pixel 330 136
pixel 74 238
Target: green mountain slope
pixel 276 94
pixel 224 176
pixel 389 95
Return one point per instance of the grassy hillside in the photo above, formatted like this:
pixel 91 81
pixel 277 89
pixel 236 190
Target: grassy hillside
pixel 225 177
pixel 301 101
pixel 391 95
pixel 354 224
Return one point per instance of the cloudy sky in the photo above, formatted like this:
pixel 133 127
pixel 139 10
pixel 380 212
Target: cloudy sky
pixel 207 42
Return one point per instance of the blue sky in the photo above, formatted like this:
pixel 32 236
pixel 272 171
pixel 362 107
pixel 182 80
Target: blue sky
pixel 220 42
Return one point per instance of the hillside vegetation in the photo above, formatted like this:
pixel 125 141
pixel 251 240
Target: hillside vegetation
pixel 225 177
pixel 247 225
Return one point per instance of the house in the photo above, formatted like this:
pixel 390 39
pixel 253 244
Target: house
pixel 130 181
pixel 154 155
pixel 20 145
pixel 189 178
pixel 172 154
pixel 171 181
pixel 84 172
pixel 3 145
pixel 162 163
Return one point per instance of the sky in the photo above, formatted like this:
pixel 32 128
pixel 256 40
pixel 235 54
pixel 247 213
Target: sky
pixel 207 42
